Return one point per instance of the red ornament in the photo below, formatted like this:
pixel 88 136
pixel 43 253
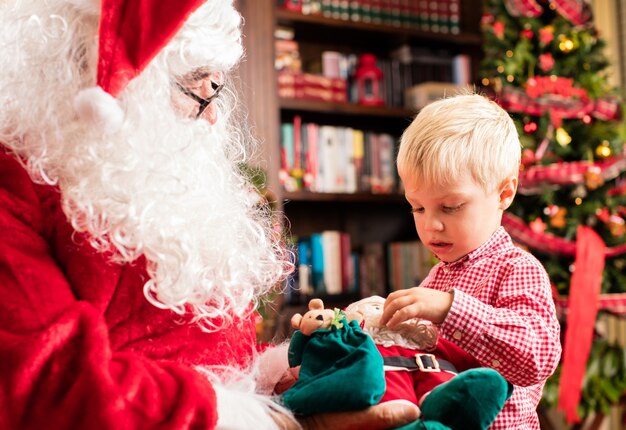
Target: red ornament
pixel 546 35
pixel 546 62
pixel 528 157
pixel 487 19
pixel 368 81
pixel 498 29
pixel 586 119
pixel 537 225
pixel 530 127
pixel 526 34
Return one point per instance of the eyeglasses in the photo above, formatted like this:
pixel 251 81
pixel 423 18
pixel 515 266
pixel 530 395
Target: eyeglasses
pixel 203 103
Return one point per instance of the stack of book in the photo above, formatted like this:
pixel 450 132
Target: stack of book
pixel 329 159
pixel 326 265
pixel 429 15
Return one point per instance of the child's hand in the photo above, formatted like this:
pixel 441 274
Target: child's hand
pixel 417 302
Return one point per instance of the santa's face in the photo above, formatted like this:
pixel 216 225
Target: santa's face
pixel 194 93
pixel 371 309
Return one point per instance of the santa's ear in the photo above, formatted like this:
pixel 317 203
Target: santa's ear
pixel 296 320
pixel 316 304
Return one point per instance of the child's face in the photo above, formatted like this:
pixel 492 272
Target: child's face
pixel 454 220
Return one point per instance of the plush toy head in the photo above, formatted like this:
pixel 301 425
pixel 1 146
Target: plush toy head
pixel 415 333
pixel 317 317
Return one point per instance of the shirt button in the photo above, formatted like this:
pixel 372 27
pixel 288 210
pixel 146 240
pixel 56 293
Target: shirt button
pixel 457 335
pixel 495 364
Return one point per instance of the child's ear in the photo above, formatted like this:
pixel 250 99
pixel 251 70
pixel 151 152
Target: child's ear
pixel 508 188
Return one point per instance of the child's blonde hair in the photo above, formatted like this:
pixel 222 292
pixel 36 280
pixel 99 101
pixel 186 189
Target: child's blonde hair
pixel 463 133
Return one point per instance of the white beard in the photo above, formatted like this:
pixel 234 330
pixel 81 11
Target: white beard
pixel 161 187
pixel 170 192
pixel 412 334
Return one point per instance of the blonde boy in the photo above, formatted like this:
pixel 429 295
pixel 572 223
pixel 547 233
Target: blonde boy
pixel 458 161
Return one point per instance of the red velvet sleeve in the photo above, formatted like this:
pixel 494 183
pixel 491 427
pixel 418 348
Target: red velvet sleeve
pixel 57 367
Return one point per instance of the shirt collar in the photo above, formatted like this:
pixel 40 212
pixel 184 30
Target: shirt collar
pixel 497 239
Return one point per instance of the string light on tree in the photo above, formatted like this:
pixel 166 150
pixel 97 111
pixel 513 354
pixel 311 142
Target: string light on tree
pixel 566 45
pixel 562 137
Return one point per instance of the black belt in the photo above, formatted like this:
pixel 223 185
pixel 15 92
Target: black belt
pixel 423 362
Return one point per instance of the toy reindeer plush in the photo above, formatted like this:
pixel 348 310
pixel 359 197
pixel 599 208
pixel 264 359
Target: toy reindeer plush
pixel 349 361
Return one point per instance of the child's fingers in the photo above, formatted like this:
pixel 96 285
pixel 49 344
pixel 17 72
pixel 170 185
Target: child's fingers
pixel 398 308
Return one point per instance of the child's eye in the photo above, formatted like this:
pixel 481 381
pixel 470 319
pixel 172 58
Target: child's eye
pixel 417 210
pixel 451 209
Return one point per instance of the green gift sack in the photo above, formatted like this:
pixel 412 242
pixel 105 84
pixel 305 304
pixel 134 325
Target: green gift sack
pixel 340 370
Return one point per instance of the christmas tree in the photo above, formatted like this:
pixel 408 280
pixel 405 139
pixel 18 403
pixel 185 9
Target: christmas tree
pixel 546 65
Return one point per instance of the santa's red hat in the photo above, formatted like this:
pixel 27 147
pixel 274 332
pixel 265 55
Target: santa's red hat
pixel 132 33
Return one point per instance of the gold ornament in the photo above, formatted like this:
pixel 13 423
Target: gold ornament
pixel 616 226
pixel 562 137
pixel 603 151
pixel 557 219
pixel 566 45
pixel 593 178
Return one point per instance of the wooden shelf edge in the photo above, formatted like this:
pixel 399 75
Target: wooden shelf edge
pixel 463 38
pixel 345 108
pixel 305 196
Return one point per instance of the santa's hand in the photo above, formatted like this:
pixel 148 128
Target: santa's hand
pixel 395 413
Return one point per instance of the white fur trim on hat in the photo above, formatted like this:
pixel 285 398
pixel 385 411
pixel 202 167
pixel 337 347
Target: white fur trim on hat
pixel 100 109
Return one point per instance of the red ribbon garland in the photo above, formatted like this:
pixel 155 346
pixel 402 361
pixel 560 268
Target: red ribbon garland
pixel 575 11
pixel 559 107
pixel 583 308
pixel 546 242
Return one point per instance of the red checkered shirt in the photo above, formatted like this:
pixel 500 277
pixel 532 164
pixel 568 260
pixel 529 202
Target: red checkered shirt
pixel 503 314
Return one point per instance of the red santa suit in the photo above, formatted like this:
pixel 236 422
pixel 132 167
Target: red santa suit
pixel 80 347
pixel 412 383
pixel 416 360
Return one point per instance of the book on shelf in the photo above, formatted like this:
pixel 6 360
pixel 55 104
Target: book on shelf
pixel 309 86
pixel 287 55
pixel 408 264
pixel 329 159
pixel 422 94
pixel 304 275
pixel 331 247
pixel 317 263
pixel 326 266
pixel 373 270
pixel 428 15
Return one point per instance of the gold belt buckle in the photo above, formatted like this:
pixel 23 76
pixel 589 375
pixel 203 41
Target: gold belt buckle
pixel 425 367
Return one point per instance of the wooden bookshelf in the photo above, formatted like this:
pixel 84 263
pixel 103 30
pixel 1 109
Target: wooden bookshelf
pixel 366 217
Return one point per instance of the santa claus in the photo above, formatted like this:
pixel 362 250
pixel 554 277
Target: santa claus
pixel 133 248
